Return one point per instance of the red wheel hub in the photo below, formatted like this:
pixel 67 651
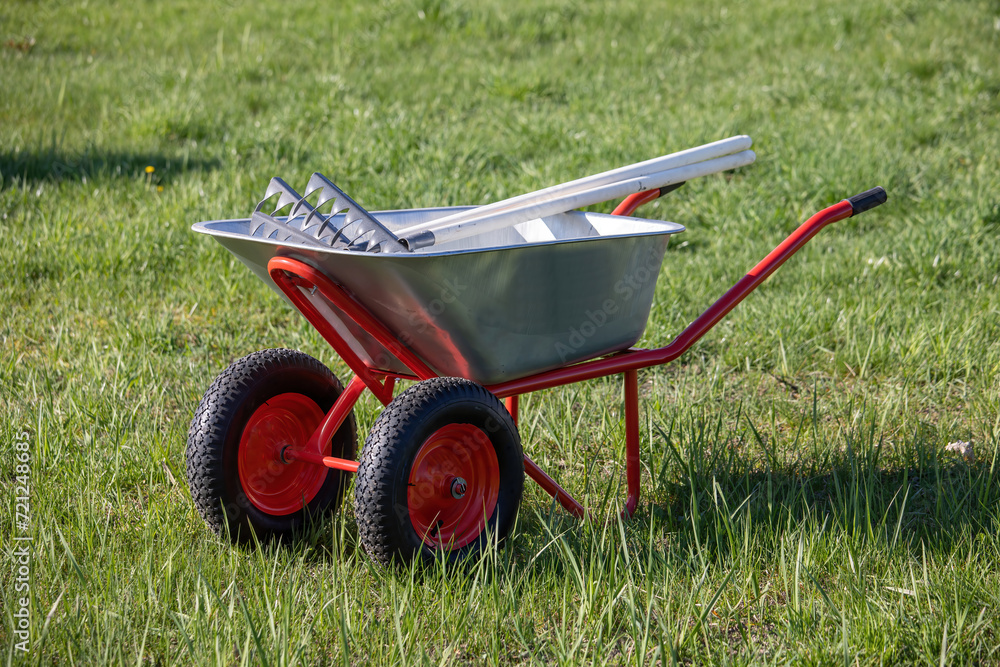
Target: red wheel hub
pixel 271 484
pixel 454 484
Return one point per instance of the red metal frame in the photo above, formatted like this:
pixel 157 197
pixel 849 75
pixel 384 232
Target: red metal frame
pixel 295 278
pixel 634 201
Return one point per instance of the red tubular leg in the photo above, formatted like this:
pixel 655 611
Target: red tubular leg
pixel 388 386
pixel 512 407
pixel 324 433
pixel 632 465
pixel 338 413
pixel 553 489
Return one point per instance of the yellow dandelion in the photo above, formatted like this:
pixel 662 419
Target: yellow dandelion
pixel 150 169
pixel 159 188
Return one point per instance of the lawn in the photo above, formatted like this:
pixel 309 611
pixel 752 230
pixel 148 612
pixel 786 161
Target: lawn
pixel 799 503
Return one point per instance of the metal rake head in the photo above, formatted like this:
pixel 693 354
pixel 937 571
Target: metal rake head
pixel 306 223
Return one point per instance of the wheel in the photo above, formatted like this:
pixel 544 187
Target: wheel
pixel 441 470
pixel 257 407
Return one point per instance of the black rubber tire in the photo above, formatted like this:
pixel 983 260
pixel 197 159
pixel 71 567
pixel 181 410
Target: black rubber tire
pixel 216 430
pixel 380 492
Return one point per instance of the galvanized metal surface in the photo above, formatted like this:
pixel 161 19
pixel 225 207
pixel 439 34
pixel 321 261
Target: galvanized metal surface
pixel 494 307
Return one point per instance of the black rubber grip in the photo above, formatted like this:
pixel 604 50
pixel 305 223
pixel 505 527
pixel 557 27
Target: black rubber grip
pixel 670 188
pixel 868 199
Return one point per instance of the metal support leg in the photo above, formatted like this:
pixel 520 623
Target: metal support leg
pixel 511 402
pixel 553 489
pixel 632 465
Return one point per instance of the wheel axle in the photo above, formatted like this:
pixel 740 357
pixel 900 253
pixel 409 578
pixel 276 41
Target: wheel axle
pixel 290 454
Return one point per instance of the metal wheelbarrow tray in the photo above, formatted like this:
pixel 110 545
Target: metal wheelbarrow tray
pixel 491 308
pixel 546 303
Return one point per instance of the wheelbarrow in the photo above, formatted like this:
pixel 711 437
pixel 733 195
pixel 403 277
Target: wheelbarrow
pixel 475 321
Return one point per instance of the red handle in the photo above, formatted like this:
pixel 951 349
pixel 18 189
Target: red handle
pixel 635 359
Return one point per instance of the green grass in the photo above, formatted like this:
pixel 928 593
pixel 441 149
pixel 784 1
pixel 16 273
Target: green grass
pixel 798 507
